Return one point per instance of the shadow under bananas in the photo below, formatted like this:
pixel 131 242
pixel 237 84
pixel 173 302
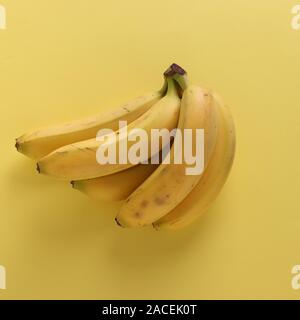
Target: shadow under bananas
pixel 139 254
pixel 53 209
pixel 61 224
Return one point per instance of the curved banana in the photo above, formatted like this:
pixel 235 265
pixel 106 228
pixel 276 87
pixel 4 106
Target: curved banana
pixel 39 143
pixel 212 181
pixel 78 161
pixel 117 186
pixel 170 184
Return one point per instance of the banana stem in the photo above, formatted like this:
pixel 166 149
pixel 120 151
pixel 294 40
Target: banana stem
pixel 164 88
pixel 182 80
pixel 178 74
pixel 171 86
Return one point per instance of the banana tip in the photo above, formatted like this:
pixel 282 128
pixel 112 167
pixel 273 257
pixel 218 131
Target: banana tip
pixel 17 145
pixel 118 223
pixel 155 227
pixel 38 168
pixel 72 184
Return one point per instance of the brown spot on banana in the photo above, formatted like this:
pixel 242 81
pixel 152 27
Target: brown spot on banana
pixel 138 214
pixel 159 201
pixel 126 109
pixel 144 204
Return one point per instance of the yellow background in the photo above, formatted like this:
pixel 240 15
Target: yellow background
pixel 62 60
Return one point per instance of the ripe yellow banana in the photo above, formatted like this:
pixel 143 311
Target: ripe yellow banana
pixel 117 186
pixel 78 161
pixel 169 184
pixel 39 143
pixel 212 181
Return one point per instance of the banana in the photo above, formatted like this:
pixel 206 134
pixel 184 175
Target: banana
pixel 170 184
pixel 78 161
pixel 117 186
pixel 209 186
pixel 39 143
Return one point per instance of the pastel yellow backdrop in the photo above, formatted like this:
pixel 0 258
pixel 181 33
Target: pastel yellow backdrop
pixel 62 60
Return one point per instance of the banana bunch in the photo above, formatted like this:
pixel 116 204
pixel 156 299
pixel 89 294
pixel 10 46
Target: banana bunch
pixel 158 193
